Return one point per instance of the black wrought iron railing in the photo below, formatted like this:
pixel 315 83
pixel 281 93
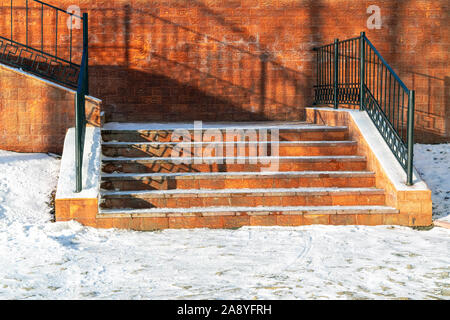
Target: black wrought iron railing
pixel 338 72
pixel 353 72
pixel 42 39
pixel 52 44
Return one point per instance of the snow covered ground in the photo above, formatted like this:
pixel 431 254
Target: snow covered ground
pixel 44 260
pixel 433 164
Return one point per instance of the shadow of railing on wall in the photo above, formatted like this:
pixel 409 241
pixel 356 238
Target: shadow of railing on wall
pixel 239 71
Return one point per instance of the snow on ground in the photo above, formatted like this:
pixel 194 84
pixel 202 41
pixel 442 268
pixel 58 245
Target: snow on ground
pixel 433 164
pixel 64 260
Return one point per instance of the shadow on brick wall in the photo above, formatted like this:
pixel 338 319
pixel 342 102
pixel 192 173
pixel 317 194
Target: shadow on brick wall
pixel 234 60
pixel 432 109
pixel 133 95
pixel 169 72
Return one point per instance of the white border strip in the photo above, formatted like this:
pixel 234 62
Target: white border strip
pixel 48 82
pixel 142 126
pixel 91 166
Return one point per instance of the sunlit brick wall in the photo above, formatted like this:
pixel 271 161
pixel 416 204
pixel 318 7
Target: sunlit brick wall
pixel 35 115
pixel 176 60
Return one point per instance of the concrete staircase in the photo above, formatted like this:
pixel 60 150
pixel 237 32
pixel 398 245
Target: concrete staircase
pixel 320 177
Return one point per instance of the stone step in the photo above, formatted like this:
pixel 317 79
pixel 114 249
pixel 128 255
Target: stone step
pixel 304 133
pixel 234 217
pixel 211 164
pixel 243 197
pixel 187 149
pixel 316 176
pixel 237 180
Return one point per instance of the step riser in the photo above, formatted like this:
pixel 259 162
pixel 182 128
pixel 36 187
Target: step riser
pixel 166 136
pixel 245 201
pixel 167 151
pixel 230 183
pixel 166 167
pixel 281 218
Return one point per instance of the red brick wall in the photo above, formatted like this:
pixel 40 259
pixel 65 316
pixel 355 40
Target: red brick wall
pixel 204 59
pixel 35 115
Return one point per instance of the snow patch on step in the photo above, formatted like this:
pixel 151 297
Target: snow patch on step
pixel 208 143
pixel 265 158
pixel 215 125
pixel 240 173
pixel 246 190
pixel 249 209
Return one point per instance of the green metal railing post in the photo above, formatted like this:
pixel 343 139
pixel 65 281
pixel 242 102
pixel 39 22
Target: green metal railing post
pixel 80 102
pixel 362 70
pixel 336 72
pixel 78 151
pixel 410 138
pixel 86 47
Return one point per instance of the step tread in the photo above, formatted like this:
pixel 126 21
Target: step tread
pixel 265 192
pixel 286 143
pixel 160 126
pixel 261 209
pixel 238 174
pixel 267 158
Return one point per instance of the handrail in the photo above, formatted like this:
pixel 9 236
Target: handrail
pixel 80 103
pixel 385 63
pixel 56 8
pixel 353 72
pixel 29 53
pixel 54 66
pixel 39 51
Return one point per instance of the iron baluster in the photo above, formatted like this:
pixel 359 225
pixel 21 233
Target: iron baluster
pixel 56 34
pixel 26 21
pixel 336 72
pixel 42 27
pixel 362 71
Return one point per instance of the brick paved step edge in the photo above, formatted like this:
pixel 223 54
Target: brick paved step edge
pixel 232 164
pixel 171 126
pixel 282 136
pixel 230 149
pixel 317 133
pixel 322 143
pixel 239 192
pixel 237 175
pixel 247 197
pixel 284 159
pixel 237 180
